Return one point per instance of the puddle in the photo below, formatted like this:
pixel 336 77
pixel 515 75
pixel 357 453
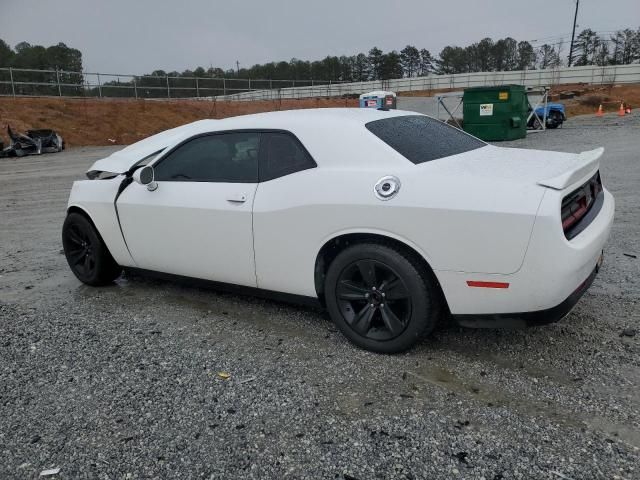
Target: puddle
pixel 542 372
pixel 627 433
pixel 447 380
pixel 491 396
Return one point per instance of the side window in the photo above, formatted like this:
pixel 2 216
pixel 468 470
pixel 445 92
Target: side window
pixel 226 157
pixel 282 154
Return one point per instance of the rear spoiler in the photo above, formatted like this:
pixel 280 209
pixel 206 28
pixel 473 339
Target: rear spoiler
pixel 586 163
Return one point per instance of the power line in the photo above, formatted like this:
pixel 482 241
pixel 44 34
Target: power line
pixel 563 42
pixel 550 37
pixel 567 36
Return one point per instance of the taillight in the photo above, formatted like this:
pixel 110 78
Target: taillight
pixel 573 212
pixel 578 203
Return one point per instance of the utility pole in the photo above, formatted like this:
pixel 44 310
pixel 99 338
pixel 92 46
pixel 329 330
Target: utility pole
pixel 573 33
pixel 238 67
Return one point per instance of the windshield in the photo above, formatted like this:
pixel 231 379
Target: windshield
pixel 422 139
pixel 146 160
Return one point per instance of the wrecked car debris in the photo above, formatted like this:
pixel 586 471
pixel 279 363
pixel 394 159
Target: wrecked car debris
pixel 33 142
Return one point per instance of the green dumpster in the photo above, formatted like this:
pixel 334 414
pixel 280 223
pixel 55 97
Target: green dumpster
pixel 495 113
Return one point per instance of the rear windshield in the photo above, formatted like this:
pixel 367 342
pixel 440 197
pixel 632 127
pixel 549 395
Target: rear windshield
pixel 422 139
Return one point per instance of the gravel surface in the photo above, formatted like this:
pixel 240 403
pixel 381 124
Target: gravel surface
pixel 124 381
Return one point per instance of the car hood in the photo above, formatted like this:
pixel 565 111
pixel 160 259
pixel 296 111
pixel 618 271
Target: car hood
pixel 122 160
pixel 555 170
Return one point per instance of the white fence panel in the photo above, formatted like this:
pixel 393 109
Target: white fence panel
pixel 530 78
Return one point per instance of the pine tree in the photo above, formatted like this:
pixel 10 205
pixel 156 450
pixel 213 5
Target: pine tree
pixel 410 59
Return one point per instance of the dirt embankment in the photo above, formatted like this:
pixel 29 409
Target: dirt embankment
pixel 106 121
pixel 584 99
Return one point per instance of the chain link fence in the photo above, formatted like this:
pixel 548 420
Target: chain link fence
pixel 46 83
pixel 20 82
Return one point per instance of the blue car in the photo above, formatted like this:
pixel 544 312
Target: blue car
pixel 555 115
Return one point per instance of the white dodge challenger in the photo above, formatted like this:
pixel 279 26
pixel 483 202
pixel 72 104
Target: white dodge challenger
pixel 392 220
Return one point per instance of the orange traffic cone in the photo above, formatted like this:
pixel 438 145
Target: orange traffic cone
pixel 599 113
pixel 628 109
pixel 621 110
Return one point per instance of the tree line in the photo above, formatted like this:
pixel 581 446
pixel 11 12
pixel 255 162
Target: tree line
pixel 487 55
pixel 621 48
pixel 37 57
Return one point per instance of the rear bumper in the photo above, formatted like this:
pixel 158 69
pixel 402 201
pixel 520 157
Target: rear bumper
pixel 552 270
pixel 528 319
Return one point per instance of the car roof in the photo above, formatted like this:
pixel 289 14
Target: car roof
pixel 294 119
pixel 304 123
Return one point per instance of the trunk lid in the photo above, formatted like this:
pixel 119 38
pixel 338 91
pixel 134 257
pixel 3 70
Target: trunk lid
pixel 550 169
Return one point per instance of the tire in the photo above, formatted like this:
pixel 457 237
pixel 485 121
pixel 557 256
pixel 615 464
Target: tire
pixel 406 300
pixel 555 120
pixel 86 253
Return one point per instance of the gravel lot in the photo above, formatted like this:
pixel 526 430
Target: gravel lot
pixel 122 382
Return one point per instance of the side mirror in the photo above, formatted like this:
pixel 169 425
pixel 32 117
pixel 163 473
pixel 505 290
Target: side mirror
pixel 145 176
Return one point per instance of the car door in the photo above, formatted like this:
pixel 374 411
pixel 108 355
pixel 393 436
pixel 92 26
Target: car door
pixel 198 222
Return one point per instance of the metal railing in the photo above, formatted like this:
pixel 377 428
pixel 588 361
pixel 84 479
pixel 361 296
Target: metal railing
pixel 22 82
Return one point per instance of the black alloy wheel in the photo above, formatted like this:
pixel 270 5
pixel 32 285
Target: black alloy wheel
pixel 382 298
pixel 373 299
pixel 81 256
pixel 86 253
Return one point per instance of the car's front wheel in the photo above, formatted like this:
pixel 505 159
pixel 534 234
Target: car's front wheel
pixel 86 253
pixel 380 298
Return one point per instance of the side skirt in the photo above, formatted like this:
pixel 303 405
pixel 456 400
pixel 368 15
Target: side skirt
pixel 229 287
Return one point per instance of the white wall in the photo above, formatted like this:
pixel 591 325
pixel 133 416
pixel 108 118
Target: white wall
pixel 529 78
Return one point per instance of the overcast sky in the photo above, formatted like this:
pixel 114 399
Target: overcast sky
pixel 138 36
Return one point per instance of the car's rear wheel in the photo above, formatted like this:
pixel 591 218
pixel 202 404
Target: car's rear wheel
pixel 555 120
pixel 380 299
pixel 86 253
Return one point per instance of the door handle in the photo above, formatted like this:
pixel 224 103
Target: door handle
pixel 237 198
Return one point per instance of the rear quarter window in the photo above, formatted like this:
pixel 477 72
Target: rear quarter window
pixel 282 154
pixel 422 139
